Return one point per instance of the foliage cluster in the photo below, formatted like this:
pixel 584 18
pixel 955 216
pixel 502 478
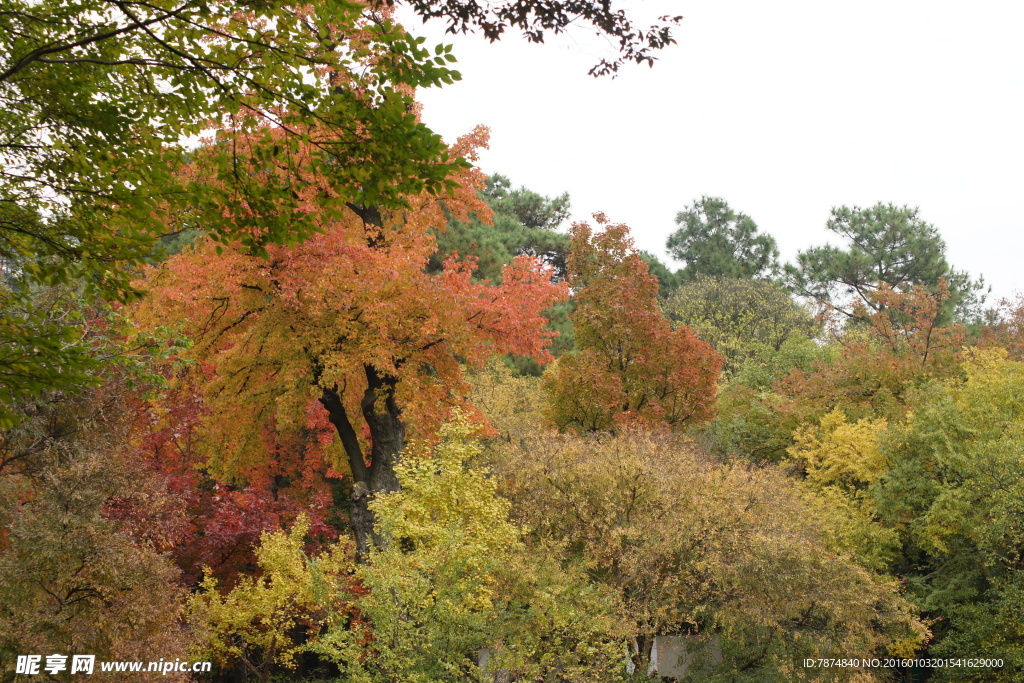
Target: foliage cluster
pixel 629 365
pixel 311 446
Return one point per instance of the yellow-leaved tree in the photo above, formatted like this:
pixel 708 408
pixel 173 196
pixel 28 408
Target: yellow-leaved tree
pixel 264 622
pixel 455 596
pixel 842 462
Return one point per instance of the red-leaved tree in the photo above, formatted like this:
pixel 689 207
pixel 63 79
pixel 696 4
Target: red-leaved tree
pixel 348 321
pixel 630 365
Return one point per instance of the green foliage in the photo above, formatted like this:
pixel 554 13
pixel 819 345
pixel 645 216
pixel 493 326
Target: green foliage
pixel 867 371
pixel 743 319
pixel 667 280
pixel 885 244
pixel 955 492
pixel 715 241
pixel 797 353
pixel 756 416
pixel 80 82
pixel 523 222
pixel 753 425
pixel 529 208
pixel 43 345
pixel 53 339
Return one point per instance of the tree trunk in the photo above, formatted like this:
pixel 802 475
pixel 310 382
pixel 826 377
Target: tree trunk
pixel 387 439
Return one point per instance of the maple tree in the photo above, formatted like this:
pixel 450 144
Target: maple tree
pixel 629 364
pixel 98 96
pixel 212 526
pixel 349 319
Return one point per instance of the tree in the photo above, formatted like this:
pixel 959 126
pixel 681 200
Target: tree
pixel 668 281
pixel 903 346
pixel 841 463
pixel 728 557
pixel 714 240
pixel 348 319
pixel 87 167
pixel 214 526
pixel 43 344
pixel 629 364
pixel 458 596
pixel 743 319
pixel 1005 328
pixel 868 371
pixel 635 44
pixel 521 222
pixel 953 492
pixel 885 245
pixel 75 576
pixel 78 84
pixel 96 96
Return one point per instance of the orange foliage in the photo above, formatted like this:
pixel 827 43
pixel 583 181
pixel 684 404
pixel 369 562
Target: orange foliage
pixel 900 346
pixel 348 319
pixel 631 366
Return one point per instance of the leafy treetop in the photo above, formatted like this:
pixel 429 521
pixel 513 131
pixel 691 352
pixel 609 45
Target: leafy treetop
pixel 886 245
pixel 714 240
pixel 630 365
pixel 351 319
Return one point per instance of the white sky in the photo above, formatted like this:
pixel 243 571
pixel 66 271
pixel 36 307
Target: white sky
pixel 785 109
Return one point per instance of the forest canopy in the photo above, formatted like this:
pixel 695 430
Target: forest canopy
pixel 290 385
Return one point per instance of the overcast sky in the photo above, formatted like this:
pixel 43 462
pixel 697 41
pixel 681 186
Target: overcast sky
pixel 785 109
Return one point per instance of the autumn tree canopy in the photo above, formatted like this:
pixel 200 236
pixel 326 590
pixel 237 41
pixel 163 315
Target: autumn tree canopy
pixel 349 318
pixel 629 364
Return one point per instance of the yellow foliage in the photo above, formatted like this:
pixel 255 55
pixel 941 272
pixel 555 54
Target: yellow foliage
pixel 455 578
pixel 254 623
pixel 513 405
pixel 842 460
pixel 695 547
pixel 838 453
